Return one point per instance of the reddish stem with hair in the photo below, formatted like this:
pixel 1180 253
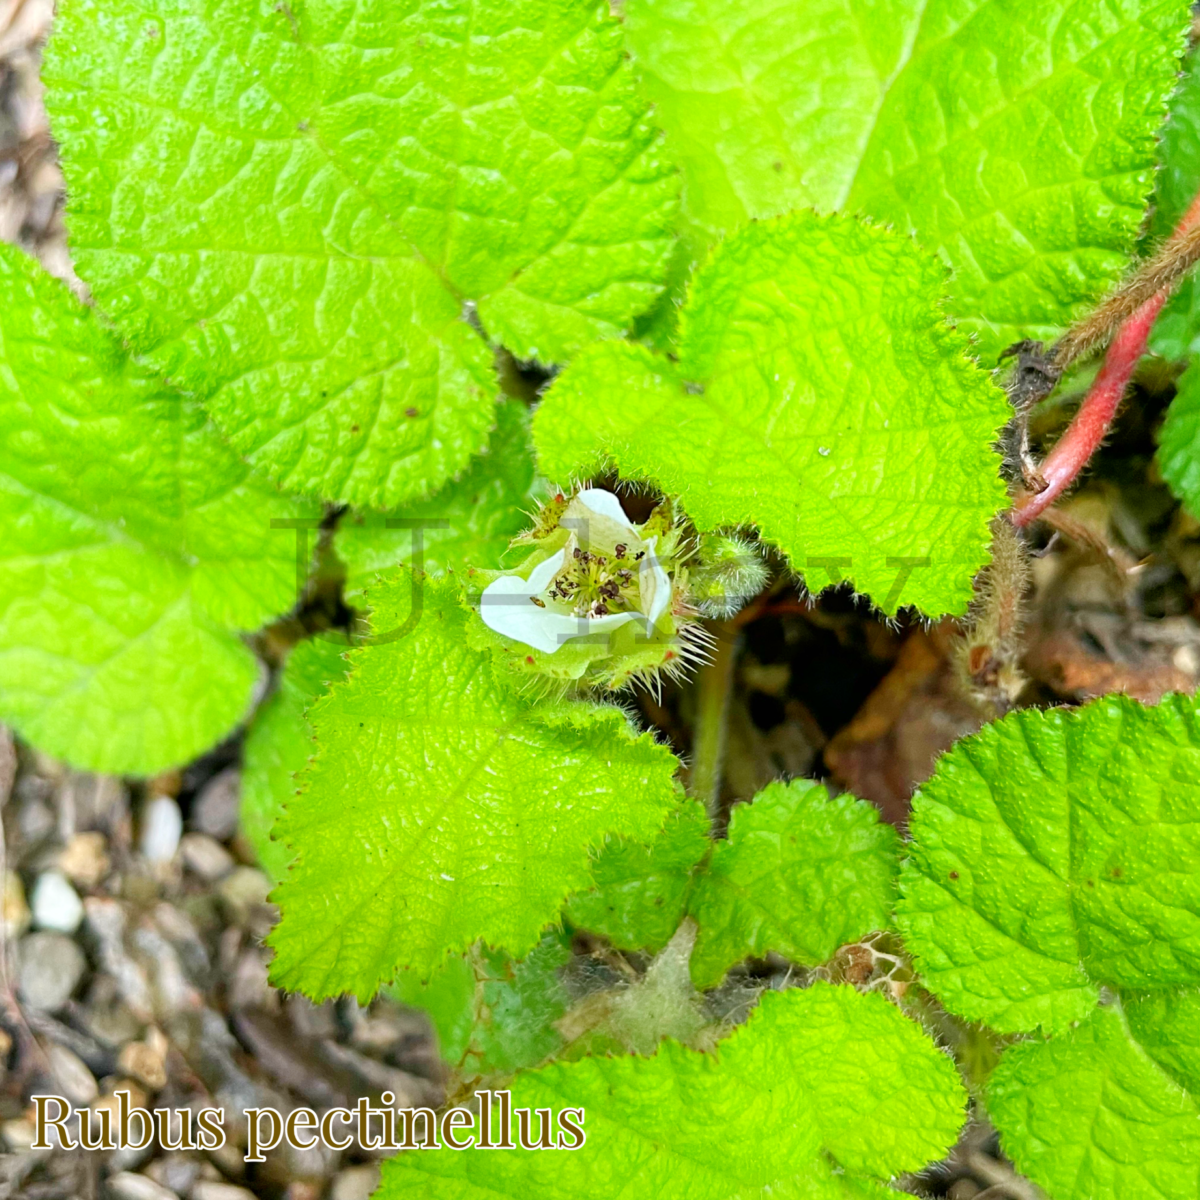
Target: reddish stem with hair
pixel 1074 449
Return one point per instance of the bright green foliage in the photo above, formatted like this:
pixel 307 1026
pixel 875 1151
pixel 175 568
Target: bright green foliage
pixel 1178 327
pixel 800 874
pixel 825 1069
pixel 493 1014
pixel 1017 139
pixel 1054 852
pixel 468 523
pixel 641 892
pixel 278 745
pixel 439 811
pixel 286 207
pixel 819 395
pixel 135 547
pixel 1179 441
pixel 1091 1115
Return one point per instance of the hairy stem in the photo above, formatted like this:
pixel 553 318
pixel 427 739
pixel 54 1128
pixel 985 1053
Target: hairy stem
pixel 1085 433
pixel 1159 273
pixel 714 688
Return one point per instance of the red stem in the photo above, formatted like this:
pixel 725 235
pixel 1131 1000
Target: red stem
pixel 1085 433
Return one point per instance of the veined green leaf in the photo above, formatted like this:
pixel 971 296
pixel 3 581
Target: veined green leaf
pixel 820 395
pixel 467 523
pixel 439 810
pixel 278 745
pixel 1091 1114
pixel 856 1081
pixel 136 546
pixel 1054 852
pixel 800 874
pixel 1016 138
pixel 293 210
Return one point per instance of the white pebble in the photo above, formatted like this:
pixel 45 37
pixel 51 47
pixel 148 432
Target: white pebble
pixel 162 826
pixel 55 903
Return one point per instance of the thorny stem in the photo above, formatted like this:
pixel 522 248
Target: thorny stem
pixel 714 689
pixel 1135 307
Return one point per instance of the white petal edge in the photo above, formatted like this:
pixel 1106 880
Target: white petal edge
pixel 651 575
pixel 605 504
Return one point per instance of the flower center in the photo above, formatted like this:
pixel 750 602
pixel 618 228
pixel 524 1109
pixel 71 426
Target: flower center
pixel 594 584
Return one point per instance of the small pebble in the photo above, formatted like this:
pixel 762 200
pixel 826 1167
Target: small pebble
pixel 144 1062
pixel 51 966
pixel 71 1076
pixel 127 1186
pixel 19 1136
pixel 55 903
pixel 85 860
pixel 215 809
pixel 209 1190
pixel 205 856
pixel 243 890
pixel 177 1172
pixel 15 911
pixel 356 1183
pixel 162 824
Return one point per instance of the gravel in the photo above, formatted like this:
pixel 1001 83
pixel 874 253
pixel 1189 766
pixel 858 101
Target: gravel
pixel 50 968
pixel 55 904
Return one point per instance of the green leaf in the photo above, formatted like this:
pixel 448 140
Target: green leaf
pixel 439 810
pixel 1091 1116
pixel 819 395
pixel 1179 441
pixel 278 745
pixel 135 547
pixel 1177 329
pixel 1054 852
pixel 493 1014
pixel 825 1070
pixel 468 523
pixel 800 874
pixel 288 208
pixel 641 891
pixel 1016 138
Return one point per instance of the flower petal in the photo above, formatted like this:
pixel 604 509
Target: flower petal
pixel 604 504
pixel 655 586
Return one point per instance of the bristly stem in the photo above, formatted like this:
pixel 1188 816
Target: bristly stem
pixel 1085 433
pixel 1132 311
pixel 714 689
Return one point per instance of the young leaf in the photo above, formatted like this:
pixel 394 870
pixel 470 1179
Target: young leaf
pixel 278 745
pixel 1091 1115
pixel 1054 852
pixel 468 523
pixel 135 547
pixel 439 810
pixel 815 1072
pixel 641 892
pixel 493 1014
pixel 800 874
pixel 287 208
pixel 1018 140
pixel 820 395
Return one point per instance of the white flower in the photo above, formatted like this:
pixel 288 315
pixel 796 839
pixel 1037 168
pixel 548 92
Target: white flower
pixel 568 595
